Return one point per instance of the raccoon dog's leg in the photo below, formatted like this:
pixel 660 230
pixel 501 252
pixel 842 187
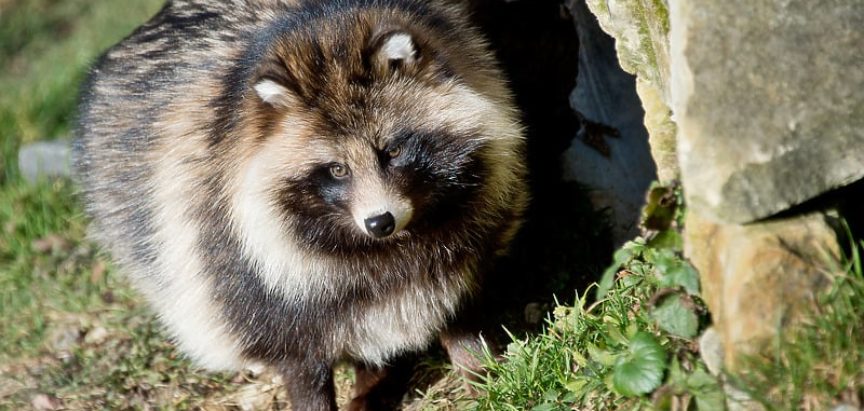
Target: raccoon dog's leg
pixel 464 347
pixel 381 388
pixel 310 386
pixel 461 339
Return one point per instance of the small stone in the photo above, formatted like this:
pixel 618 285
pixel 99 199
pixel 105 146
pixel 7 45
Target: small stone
pixel 846 407
pixel 65 338
pixel 44 402
pixel 738 400
pixel 50 244
pixel 97 335
pixel 47 159
pixel 97 272
pixel 711 350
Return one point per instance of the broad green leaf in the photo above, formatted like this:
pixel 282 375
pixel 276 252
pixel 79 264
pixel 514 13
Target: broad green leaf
pixel 686 276
pixel 621 257
pixel 667 239
pixel 673 271
pixel 601 356
pixel 576 386
pixel 545 407
pixel 707 390
pixel 570 398
pixel 660 206
pixel 641 370
pixel 677 377
pixel 551 395
pixel 674 317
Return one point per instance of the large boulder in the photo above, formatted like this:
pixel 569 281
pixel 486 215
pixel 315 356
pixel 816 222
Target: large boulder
pixel 758 278
pixel 769 100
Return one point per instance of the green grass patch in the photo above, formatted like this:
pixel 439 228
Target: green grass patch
pixel 631 347
pixel 626 350
pixel 45 265
pixel 45 48
pixel 57 293
pixel 41 262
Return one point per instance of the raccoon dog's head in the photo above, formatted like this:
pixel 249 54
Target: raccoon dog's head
pixel 379 126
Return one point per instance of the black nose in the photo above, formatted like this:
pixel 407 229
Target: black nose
pixel 382 225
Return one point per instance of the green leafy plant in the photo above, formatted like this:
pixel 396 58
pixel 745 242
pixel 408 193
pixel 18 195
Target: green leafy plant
pixel 632 348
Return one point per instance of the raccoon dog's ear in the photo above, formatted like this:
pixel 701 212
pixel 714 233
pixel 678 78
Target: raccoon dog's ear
pixel 396 48
pixel 273 93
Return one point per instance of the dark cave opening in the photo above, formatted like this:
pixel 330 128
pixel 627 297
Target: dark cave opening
pixel 565 243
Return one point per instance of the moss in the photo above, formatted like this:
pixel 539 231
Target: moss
pixel 646 41
pixel 661 14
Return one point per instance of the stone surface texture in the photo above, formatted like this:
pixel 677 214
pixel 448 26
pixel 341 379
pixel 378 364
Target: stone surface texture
pixel 47 159
pixel 606 94
pixel 640 29
pixel 769 100
pixel 756 278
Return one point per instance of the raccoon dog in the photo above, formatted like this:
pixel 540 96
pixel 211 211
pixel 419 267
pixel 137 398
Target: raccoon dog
pixel 298 183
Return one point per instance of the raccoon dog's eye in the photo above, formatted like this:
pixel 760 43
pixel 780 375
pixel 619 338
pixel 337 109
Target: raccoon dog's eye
pixel 395 152
pixel 339 171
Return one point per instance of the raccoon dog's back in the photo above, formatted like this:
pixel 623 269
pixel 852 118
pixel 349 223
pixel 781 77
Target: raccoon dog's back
pixel 296 183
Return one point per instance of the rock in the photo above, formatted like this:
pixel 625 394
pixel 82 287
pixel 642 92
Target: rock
pixel 51 243
pixel 605 94
pixel 769 115
pixel 97 335
pixel 756 279
pixel 640 29
pixel 46 159
pixel 65 337
pixel 711 351
pixel 661 131
pixel 846 407
pixel 739 400
pixel 43 402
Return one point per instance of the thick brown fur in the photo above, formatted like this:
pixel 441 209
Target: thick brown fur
pixel 207 145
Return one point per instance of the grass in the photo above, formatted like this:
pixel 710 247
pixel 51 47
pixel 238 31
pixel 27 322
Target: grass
pixel 626 350
pixel 45 47
pixel 580 361
pixel 70 327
